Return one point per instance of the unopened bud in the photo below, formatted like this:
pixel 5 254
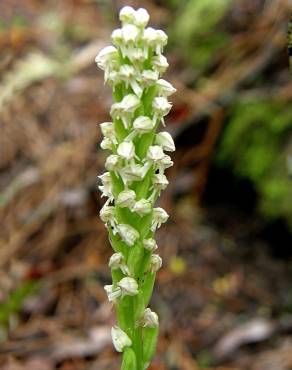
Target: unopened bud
pixel 126 198
pixel 142 207
pixel 120 339
pixel 143 124
pixel 155 263
pixel 165 140
pixel 128 286
pixel 112 293
pixel 150 244
pixel 126 150
pixel 165 88
pixel 155 153
pixel 149 319
pixel 128 234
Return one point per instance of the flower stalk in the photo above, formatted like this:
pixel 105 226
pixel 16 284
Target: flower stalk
pixel 135 177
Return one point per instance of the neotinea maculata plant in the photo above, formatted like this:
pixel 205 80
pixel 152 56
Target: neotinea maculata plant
pixel 134 179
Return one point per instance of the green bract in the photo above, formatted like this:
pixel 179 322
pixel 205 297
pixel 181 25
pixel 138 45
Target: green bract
pixel 136 163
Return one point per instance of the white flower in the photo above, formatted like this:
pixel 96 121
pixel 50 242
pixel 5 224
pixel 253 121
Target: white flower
pixel 129 76
pixel 149 319
pixel 164 163
pixel 159 217
pixel 150 244
pixel 106 56
pixel 106 187
pixel 136 56
pixel 149 77
pixel 117 261
pixel 117 37
pixel 165 140
pixel 141 17
pixel 130 103
pixel 142 207
pixel 126 150
pixel 106 144
pixel 155 153
pixel 143 124
pixel 160 63
pixel 113 163
pixel 127 15
pixel 126 198
pixel 113 78
pixel 128 286
pixel 161 106
pixel 165 88
pixel 159 181
pixel 155 263
pixel 107 213
pixel 128 234
pixel 120 339
pixel 134 172
pixel 130 34
pixel 161 41
pixel 108 131
pixel 113 293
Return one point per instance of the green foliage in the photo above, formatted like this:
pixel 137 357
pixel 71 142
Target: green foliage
pixel 196 32
pixel 12 305
pixel 256 144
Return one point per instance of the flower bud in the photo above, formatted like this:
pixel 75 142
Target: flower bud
pixel 107 213
pixel 126 150
pixel 126 198
pixel 165 88
pixel 142 207
pixel 165 140
pixel 161 106
pixel 120 339
pixel 160 63
pixel 117 37
pixel 141 17
pixel 149 319
pixel 150 244
pixel 127 15
pixel 159 181
pixel 128 234
pixel 117 261
pixel 128 286
pixel 155 263
pixel 154 153
pixel 159 217
pixel 143 124
pixel 150 37
pixel 130 34
pixel 113 163
pixel 112 293
pixel 134 172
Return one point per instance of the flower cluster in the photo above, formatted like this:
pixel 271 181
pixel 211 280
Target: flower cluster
pixel 133 66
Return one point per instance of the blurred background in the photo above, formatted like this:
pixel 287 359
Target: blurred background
pixel 224 294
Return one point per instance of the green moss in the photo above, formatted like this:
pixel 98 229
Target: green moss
pixel 255 144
